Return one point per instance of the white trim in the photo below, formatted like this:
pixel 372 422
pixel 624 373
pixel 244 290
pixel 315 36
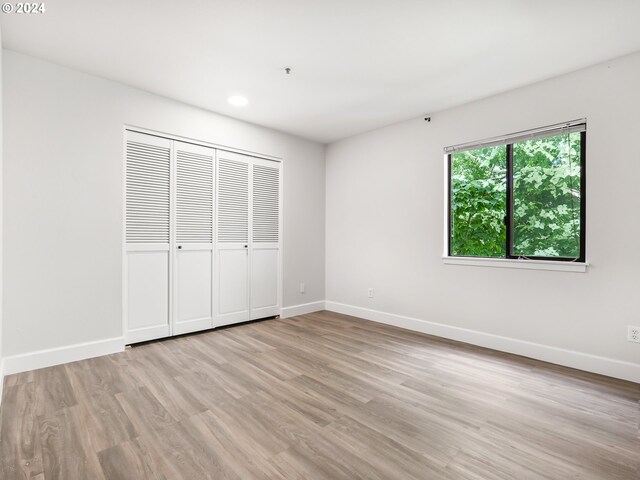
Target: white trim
pixel 55 356
pixel 1 378
pixel 203 143
pixel 445 207
pixel 172 312
pixel 569 358
pixel 124 261
pixel 580 267
pixel 281 239
pixel 301 309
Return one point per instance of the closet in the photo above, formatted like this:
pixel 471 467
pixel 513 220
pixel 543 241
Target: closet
pixel 202 237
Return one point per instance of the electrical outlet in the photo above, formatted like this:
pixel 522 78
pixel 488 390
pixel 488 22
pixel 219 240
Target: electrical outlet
pixel 370 293
pixel 633 335
pixel 302 288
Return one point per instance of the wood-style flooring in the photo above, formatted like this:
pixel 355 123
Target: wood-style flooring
pixel 320 396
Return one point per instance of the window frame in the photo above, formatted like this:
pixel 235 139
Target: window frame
pixel 509 208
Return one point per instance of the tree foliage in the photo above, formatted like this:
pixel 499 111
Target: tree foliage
pixel 546 199
pixel 478 202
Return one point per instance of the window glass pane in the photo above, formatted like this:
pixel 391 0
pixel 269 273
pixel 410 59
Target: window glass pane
pixel 478 202
pixel 546 197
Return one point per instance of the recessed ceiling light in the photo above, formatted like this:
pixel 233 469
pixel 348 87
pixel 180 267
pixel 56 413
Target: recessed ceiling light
pixel 237 101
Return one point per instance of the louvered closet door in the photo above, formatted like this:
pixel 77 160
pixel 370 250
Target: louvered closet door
pixel 148 237
pixel 193 274
pixel 231 301
pixel 265 239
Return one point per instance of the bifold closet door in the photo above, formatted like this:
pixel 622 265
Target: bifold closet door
pixel 265 239
pixel 248 238
pixel 203 232
pixel 232 242
pixel 148 237
pixel 193 272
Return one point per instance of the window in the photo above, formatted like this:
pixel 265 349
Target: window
pixel 521 196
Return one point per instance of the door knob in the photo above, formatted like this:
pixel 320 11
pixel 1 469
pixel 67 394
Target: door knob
pixel 179 247
pixel 246 246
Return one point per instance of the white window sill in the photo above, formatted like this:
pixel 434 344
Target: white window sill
pixel 580 267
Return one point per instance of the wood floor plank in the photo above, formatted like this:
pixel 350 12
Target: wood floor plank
pixel 96 376
pixel 105 419
pixel 279 419
pixel 187 455
pixel 20 447
pixel 174 396
pixel 242 338
pixel 53 390
pixel 133 460
pixel 310 407
pixel 19 378
pixel 238 455
pixel 144 411
pixel 387 456
pixel 99 409
pixel 66 446
pixel 322 455
pixel 201 349
pixel 318 396
pixel 246 426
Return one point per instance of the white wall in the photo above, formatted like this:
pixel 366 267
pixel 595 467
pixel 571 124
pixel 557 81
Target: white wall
pixel 385 227
pixel 63 199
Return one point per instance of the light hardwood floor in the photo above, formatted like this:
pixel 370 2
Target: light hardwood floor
pixel 320 396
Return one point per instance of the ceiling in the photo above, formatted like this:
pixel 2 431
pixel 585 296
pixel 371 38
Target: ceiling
pixel 356 64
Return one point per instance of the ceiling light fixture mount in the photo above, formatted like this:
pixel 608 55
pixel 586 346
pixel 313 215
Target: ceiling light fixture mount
pixel 238 100
pixel 287 70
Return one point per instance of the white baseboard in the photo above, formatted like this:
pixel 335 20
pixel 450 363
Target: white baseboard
pixel 1 378
pixel 568 358
pixel 55 356
pixel 296 310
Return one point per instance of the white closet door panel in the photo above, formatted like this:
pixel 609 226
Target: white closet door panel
pixel 265 266
pixel 233 198
pixel 193 277
pixel 148 189
pixel 194 290
pixel 147 295
pixel 232 233
pixel 233 286
pixel 266 202
pixel 194 193
pixel 265 239
pixel 148 236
